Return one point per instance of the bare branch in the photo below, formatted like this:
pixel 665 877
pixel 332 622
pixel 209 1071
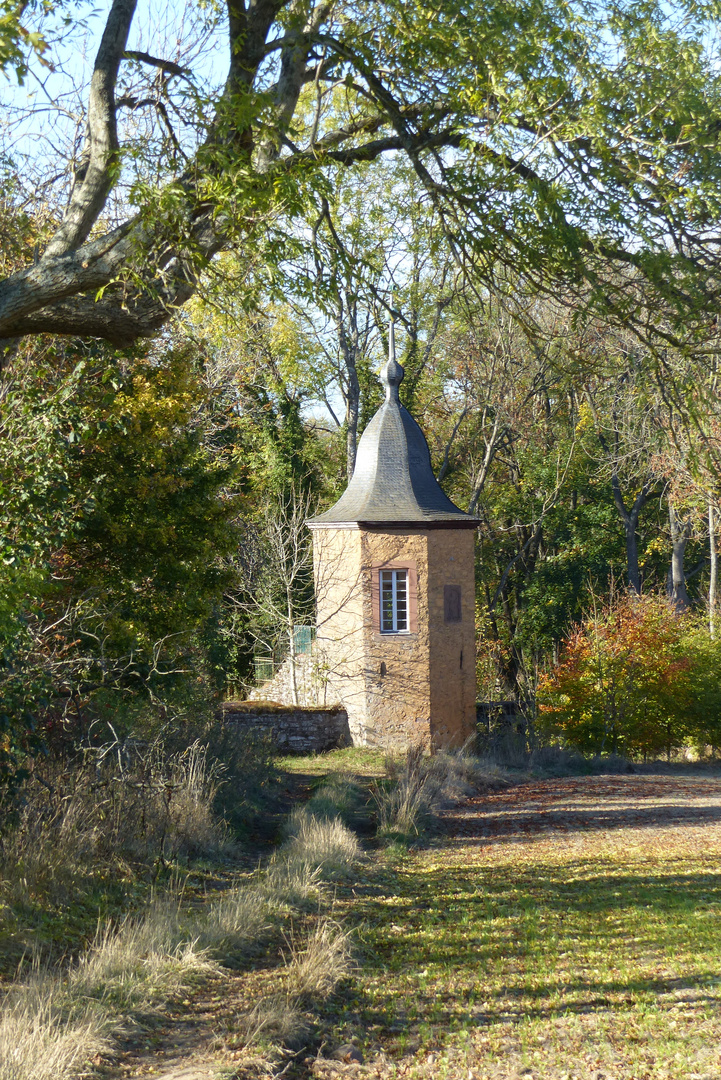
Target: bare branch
pixel 167 66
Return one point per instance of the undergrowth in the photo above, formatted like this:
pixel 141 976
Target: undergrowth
pixel 97 829
pixel 51 1024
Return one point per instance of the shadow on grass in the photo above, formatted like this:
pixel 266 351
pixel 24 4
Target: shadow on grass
pixel 492 827
pixel 539 807
pixel 509 944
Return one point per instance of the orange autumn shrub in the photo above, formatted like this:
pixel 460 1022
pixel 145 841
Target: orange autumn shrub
pixel 635 678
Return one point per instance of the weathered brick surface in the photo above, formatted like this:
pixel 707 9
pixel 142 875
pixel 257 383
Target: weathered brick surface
pixel 293 730
pixel 398 702
pixel 451 558
pixel 399 689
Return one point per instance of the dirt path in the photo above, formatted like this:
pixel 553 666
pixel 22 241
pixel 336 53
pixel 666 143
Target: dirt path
pixel 573 806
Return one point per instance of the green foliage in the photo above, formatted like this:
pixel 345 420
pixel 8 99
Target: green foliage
pixel 116 514
pixel 637 678
pixel 24 686
pixel 264 373
pixel 156 515
pixel 16 40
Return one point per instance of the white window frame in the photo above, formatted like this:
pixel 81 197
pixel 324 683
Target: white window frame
pixel 394 585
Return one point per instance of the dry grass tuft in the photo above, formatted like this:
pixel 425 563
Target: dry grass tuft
pixel 236 923
pixel 41 1040
pixel 145 959
pixel 312 973
pixel 417 787
pixel 323 845
pixel 405 804
pixel 460 773
pixel 278 1021
pixel 50 1027
pixel 317 849
pixel 291 884
pixel 317 968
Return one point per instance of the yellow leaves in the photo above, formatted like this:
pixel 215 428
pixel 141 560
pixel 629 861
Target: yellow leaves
pixel 154 405
pixel 585 419
pixel 658 544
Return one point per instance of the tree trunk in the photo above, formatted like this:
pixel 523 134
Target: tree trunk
pixel 713 576
pixel 351 413
pixel 630 525
pixel 348 338
pixel 676 581
pixel 634 577
pixel 291 651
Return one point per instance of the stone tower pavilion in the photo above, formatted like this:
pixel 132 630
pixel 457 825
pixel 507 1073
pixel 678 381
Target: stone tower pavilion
pixel 394 570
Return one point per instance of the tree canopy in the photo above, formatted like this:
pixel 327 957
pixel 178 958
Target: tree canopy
pixel 567 142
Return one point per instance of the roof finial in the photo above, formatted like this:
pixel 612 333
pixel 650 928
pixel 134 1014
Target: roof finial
pixel 391 332
pixel 392 374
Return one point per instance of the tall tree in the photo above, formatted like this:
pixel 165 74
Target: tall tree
pixel 375 255
pixel 681 527
pixel 620 398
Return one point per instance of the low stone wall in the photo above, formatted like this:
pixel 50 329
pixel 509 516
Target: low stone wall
pixel 294 730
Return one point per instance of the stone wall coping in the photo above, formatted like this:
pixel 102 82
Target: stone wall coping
pixel 266 707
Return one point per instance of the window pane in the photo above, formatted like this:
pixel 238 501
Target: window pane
pixel 401 600
pixel 387 600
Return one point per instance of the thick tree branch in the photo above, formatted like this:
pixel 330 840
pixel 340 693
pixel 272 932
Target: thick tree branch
pixel 291 82
pixel 35 300
pixel 445 464
pixel 630 517
pixel 57 277
pixel 115 319
pixel 249 23
pixel 248 137
pixel 492 444
pixel 96 175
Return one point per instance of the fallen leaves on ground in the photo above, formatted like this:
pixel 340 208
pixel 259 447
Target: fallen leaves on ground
pixel 563 928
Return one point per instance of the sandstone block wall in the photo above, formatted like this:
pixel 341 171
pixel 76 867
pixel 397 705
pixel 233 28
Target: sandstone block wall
pixel 397 666
pixel 293 730
pixel 451 561
pixel 311 685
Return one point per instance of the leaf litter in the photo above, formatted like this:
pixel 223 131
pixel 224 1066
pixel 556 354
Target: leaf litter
pixel 562 928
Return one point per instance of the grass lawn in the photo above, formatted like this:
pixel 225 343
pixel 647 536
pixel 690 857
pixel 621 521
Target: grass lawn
pixel 354 760
pixel 568 928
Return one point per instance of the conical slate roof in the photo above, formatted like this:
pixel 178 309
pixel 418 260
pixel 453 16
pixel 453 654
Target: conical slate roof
pixel 393 481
